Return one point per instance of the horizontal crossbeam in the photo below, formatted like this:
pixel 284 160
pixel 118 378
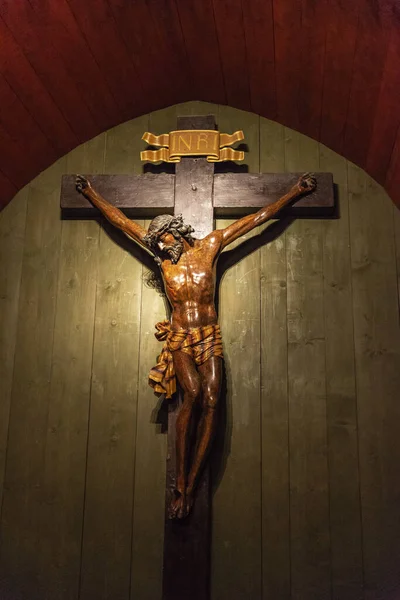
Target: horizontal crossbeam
pixel 234 194
pixel 238 194
pixel 139 196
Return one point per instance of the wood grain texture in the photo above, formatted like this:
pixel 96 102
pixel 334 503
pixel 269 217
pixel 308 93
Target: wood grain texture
pixel 386 118
pixel 11 152
pixel 167 28
pixel 151 438
pixel 24 500
pixel 28 31
pixel 327 68
pixel 310 46
pixel 135 25
pixel 7 190
pixel 98 26
pixel 275 521
pixel 236 538
pixel 12 235
pixel 396 217
pixel 287 18
pixel 194 179
pixel 246 192
pixel 58 23
pixel 344 481
pixel 377 337
pixel 137 195
pixel 309 478
pixel 258 25
pixel 151 455
pixel 107 532
pixel 199 31
pixel 29 88
pixel 393 175
pixel 341 24
pixel 363 98
pixel 18 122
pixel 66 435
pixel 231 41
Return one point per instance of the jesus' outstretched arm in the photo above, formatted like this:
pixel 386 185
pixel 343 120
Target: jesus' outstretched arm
pixel 305 184
pixel 112 213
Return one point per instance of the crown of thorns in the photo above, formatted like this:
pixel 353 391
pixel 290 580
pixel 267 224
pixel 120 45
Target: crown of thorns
pixel 167 223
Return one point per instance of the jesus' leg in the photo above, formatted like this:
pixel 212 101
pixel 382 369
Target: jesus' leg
pixel 211 375
pixel 190 382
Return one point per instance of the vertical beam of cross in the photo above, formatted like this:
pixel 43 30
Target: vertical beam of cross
pixel 187 543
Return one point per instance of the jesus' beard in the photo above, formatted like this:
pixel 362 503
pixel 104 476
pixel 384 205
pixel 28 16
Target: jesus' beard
pixel 174 251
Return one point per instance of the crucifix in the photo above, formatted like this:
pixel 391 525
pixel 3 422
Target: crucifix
pixel 192 352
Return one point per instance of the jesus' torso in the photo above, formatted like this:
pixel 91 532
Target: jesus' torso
pixel 190 284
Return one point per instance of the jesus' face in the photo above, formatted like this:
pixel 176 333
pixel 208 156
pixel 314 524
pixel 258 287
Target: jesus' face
pixel 171 246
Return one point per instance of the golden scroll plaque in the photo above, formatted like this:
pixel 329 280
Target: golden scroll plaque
pixel 192 142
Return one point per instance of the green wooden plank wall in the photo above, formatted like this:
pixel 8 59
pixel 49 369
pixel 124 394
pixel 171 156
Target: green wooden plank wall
pixel 306 490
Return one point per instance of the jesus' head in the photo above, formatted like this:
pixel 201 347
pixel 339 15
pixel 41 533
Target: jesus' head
pixel 164 236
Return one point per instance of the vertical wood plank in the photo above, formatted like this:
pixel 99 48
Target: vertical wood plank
pixel 366 80
pixel 69 403
pixel 338 69
pixel 228 17
pixel 107 535
pixel 149 497
pixel 274 398
pixel 12 234
pixel 149 494
pixel 24 504
pixel 236 544
pixel 206 68
pixel 377 357
pixel 309 493
pixel 396 219
pixel 344 497
pixel 258 24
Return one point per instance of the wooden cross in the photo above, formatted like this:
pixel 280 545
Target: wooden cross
pixel 200 196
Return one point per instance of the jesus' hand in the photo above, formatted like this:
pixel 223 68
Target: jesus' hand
pixel 306 183
pixel 82 184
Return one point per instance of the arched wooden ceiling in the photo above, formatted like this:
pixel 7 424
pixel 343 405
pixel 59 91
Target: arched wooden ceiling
pixel 70 69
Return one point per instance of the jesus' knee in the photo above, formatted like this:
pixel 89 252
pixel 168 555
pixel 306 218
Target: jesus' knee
pixel 210 400
pixel 192 393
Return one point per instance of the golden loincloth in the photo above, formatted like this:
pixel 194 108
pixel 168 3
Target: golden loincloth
pixel 200 343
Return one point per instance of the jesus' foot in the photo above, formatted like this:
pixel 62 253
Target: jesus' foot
pixel 178 506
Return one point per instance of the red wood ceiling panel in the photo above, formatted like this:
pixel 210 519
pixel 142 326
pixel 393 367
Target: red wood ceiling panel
pixel 97 23
pixel 392 183
pixel 20 125
pixel 310 44
pixel 287 26
pixel 15 164
pixel 7 190
pixel 259 36
pixel 341 35
pixel 29 33
pixel 56 23
pixel 23 79
pixel 135 24
pixel 201 43
pixel 168 28
pixel 369 61
pixel 71 68
pixel 387 114
pixel 231 38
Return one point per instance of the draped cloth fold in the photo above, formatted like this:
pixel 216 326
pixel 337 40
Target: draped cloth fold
pixel 200 343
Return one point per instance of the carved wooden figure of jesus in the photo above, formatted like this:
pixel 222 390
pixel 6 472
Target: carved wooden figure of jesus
pixel 192 351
